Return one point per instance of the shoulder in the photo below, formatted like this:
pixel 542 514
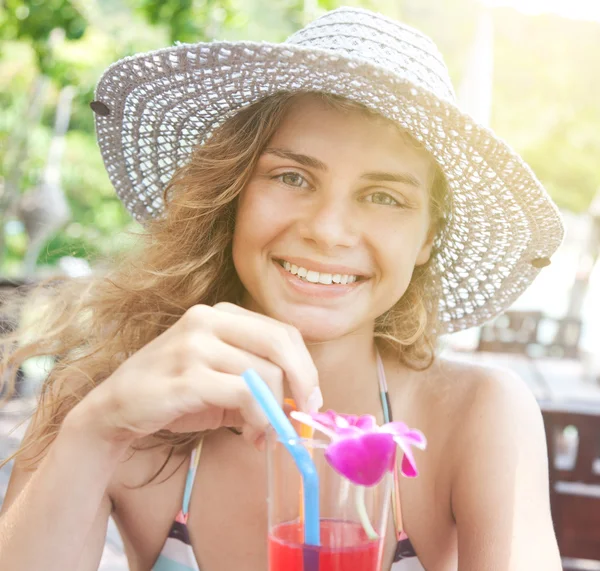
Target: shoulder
pixel 497 472
pixel 494 442
pixel 462 405
pixel 489 395
pixel 486 401
pixel 497 423
pixel 477 389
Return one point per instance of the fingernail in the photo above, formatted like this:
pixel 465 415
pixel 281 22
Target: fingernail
pixel 260 443
pixel 315 401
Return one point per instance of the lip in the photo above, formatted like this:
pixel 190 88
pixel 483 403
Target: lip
pixel 323 268
pixel 321 291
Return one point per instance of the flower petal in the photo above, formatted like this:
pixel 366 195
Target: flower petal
pixel 410 435
pixel 326 418
pixel 392 465
pixel 416 438
pixel 408 466
pixel 366 423
pixel 363 459
pixel 350 432
pixel 307 419
pixel 395 428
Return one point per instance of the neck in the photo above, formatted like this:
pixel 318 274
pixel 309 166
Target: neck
pixel 347 369
pixel 348 372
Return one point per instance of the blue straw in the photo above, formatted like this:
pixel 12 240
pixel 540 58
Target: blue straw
pixel 288 436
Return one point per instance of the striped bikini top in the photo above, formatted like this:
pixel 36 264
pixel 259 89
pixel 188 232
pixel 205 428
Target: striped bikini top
pixel 177 553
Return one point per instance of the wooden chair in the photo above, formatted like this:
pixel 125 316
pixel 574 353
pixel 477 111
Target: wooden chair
pixel 574 463
pixel 532 334
pixel 565 342
pixel 511 332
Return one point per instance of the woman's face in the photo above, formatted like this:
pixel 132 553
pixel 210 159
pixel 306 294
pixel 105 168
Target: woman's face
pixel 332 222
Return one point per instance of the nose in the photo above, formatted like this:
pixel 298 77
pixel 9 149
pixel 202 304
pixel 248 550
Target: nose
pixel 328 223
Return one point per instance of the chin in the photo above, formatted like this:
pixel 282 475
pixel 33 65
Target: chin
pixel 314 334
pixel 318 326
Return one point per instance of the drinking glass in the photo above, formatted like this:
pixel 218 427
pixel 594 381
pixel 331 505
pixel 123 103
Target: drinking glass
pixel 352 522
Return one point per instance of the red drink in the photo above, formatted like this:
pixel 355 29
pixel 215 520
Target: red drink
pixel 344 547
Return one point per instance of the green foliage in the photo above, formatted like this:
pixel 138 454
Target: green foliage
pixel 34 21
pixel 450 22
pixel 62 244
pixel 547 80
pixel 571 176
pixel 190 20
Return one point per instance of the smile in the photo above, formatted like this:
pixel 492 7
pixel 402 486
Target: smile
pixel 315 277
pixel 322 285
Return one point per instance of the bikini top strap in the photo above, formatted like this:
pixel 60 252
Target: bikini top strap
pixel 388 417
pixel 191 476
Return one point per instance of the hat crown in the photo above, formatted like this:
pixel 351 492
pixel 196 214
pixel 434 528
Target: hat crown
pixel 381 41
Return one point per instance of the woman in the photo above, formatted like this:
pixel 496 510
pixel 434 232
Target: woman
pixel 338 212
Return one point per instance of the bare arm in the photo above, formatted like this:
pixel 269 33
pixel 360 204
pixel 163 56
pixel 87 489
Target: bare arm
pixel 187 380
pixel 500 492
pixel 56 517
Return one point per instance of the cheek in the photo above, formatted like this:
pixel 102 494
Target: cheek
pixel 397 247
pixel 259 221
pixel 252 210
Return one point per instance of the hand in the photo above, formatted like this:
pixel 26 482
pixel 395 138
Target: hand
pixel 188 378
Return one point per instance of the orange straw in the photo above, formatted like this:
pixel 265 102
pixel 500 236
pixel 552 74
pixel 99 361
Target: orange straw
pixel 307 432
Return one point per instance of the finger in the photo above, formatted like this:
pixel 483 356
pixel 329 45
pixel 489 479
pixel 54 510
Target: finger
pixel 293 333
pixel 209 388
pixel 261 443
pixel 206 419
pixel 269 339
pixel 225 358
pixel 251 434
pixel 232 419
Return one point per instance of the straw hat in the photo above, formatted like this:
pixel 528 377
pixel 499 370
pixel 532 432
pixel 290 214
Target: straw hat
pixel 152 108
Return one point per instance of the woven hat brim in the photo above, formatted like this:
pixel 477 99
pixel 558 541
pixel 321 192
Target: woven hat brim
pixel 158 106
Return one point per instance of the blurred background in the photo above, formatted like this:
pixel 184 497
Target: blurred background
pixel 530 69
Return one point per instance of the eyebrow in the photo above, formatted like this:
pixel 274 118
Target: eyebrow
pixel 312 162
pixel 403 178
pixel 297 157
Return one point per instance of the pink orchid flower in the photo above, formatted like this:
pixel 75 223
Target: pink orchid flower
pixel 362 451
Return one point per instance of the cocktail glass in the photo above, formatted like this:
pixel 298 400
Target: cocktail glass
pixel 352 522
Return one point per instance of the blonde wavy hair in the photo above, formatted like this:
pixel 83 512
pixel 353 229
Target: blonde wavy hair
pixel 90 326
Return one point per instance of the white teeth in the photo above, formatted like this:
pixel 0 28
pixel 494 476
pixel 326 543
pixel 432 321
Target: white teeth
pixel 317 277
pixel 312 277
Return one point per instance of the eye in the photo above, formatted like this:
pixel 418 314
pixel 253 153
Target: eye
pixel 291 179
pixel 382 198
